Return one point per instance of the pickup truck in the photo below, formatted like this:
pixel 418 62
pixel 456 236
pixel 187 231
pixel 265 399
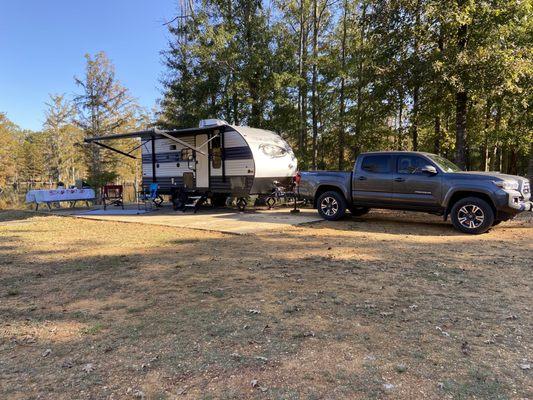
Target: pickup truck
pixel 416 181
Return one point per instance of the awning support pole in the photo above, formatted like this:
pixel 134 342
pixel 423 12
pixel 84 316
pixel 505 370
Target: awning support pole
pixel 154 176
pixel 113 149
pixel 163 133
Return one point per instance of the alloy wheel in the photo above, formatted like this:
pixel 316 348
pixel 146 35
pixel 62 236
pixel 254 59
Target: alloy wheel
pixel 329 206
pixel 470 216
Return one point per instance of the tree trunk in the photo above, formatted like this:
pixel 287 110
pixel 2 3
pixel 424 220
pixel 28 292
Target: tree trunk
pixel 414 126
pixel 438 130
pixel 302 87
pixel 461 99
pixel 314 86
pixel 360 61
pixel 512 166
pixel 416 83
pixel 400 120
pixel 342 133
pixel 497 153
pixel 436 143
pixel 486 154
pixel 460 128
pixel 530 167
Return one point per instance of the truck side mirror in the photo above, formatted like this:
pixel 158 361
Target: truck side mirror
pixel 429 169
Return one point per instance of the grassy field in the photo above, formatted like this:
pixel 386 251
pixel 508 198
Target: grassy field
pixel 392 305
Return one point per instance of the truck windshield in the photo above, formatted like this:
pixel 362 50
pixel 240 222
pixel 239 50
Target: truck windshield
pixel 444 164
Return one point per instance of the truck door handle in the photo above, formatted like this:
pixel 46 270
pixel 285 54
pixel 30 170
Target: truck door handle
pixel 399 180
pixel 362 178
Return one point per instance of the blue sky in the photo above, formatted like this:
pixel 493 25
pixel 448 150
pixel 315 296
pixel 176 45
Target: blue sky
pixel 43 43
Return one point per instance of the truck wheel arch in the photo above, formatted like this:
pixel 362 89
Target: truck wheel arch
pixel 326 188
pixel 453 197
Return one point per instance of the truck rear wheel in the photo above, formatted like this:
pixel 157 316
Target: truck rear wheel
pixel 331 205
pixel 472 215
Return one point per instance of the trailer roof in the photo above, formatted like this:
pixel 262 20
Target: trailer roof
pixel 150 133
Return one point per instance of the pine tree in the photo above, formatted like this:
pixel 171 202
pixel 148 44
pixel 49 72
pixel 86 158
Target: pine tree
pixel 103 107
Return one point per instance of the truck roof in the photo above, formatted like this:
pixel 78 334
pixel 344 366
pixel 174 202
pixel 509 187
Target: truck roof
pixel 396 152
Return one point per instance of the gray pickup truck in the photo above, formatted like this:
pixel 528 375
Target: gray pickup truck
pixel 475 201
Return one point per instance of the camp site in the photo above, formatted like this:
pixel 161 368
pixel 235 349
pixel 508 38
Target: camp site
pixel 291 200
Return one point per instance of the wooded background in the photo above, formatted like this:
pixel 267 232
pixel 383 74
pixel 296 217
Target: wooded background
pixel 334 78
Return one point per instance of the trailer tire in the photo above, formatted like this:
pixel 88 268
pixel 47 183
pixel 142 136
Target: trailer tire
pixel 219 200
pixel 331 205
pixel 177 204
pixel 241 204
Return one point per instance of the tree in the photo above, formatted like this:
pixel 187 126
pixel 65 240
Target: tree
pixel 340 77
pixel 103 107
pixel 10 138
pixel 31 162
pixel 61 139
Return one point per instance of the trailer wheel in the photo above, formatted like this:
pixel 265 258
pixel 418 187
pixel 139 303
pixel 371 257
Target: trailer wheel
pixel 241 203
pixel 219 199
pixel 177 204
pixel 331 205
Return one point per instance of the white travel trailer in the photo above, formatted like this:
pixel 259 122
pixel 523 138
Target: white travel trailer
pixel 215 160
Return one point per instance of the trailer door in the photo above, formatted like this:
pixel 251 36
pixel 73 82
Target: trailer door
pixel 202 163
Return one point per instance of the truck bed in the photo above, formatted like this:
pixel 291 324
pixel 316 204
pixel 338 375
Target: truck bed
pixel 310 180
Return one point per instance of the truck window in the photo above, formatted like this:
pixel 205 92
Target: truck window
pixel 379 164
pixel 410 164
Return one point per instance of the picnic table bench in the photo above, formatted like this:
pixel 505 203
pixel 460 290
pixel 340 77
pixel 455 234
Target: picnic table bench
pixel 51 196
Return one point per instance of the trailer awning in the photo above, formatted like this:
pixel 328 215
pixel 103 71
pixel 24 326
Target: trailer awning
pixel 155 134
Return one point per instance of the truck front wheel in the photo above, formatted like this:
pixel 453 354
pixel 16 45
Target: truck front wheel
pixel 472 215
pixel 331 205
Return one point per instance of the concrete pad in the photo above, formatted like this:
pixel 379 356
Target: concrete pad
pixel 113 211
pixel 220 220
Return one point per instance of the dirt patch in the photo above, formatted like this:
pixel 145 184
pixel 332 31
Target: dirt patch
pixel 392 305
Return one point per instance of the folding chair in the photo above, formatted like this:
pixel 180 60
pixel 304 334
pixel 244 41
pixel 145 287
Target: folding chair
pixel 151 196
pixel 113 195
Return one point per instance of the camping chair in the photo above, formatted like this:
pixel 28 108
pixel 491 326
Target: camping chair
pixel 113 195
pixel 151 196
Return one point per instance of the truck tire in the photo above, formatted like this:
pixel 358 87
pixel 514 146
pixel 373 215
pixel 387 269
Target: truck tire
pixel 359 211
pixel 472 215
pixel 331 205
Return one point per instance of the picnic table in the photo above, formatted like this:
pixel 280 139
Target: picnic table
pixel 49 196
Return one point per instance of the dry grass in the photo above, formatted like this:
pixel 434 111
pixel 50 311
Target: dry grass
pixel 326 311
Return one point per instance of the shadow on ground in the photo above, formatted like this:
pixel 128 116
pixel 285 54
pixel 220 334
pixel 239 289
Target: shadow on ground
pixel 363 308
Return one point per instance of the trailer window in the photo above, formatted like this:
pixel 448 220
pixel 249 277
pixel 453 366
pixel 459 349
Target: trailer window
pixel 216 153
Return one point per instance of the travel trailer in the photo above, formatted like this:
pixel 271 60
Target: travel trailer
pixel 215 160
